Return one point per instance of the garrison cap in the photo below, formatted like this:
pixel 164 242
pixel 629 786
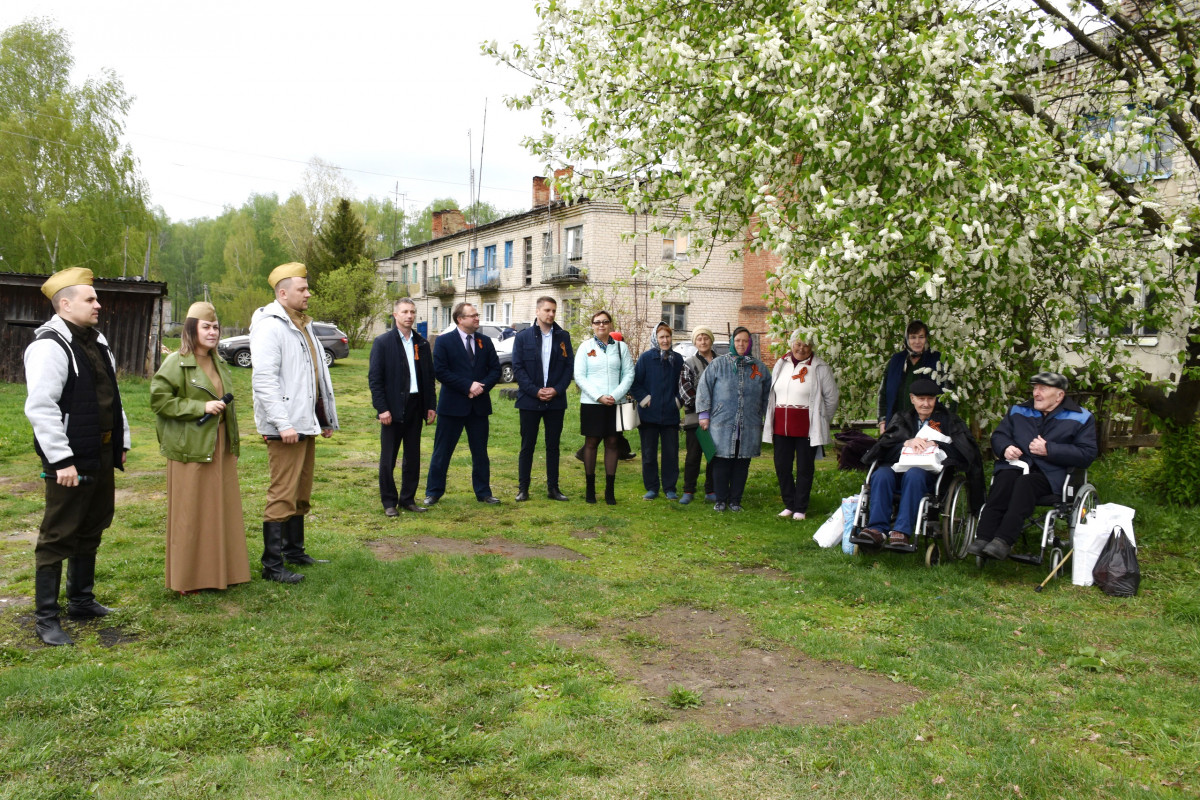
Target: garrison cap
pixel 292 269
pixel 75 276
pixel 202 310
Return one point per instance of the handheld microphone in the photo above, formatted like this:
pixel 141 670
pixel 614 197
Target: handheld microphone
pixel 82 478
pixel 227 399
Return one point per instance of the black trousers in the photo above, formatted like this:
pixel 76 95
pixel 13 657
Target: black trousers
pixel 407 433
pixel 445 438
pixel 530 420
pixel 1010 502
pixel 691 464
pixel 729 475
pixel 76 516
pixel 794 488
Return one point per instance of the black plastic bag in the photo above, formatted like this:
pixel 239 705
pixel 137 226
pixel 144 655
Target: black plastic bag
pixel 1116 570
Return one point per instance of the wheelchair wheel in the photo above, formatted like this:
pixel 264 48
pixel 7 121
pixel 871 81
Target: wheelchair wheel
pixel 958 523
pixel 1085 502
pixel 933 555
pixel 1056 557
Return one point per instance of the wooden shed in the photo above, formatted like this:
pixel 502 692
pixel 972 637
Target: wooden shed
pixel 131 318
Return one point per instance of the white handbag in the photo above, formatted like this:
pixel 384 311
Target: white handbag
pixel 627 415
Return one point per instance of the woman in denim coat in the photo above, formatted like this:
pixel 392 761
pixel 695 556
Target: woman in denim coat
pixel 732 403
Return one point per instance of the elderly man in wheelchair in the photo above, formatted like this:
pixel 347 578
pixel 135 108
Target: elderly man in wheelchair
pixel 903 440
pixel 1037 445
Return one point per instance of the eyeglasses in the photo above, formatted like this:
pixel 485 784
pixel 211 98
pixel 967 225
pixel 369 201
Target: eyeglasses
pixel 602 322
pixel 470 316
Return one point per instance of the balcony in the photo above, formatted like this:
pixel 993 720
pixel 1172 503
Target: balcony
pixel 483 279
pixel 439 287
pixel 561 268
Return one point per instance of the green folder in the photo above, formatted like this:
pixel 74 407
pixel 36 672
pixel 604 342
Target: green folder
pixel 706 443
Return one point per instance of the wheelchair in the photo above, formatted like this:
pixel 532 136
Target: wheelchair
pixel 1061 514
pixel 944 527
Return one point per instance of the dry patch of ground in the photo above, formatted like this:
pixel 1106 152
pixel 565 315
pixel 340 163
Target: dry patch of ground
pixel 28 535
pixel 740 685
pixel 14 486
pixel 394 549
pixel 770 573
pixel 13 602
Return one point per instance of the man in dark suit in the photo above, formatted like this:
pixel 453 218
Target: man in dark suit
pixel 466 364
pixel 543 363
pixel 401 381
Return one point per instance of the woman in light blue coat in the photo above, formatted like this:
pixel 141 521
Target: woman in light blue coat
pixel 603 373
pixel 732 403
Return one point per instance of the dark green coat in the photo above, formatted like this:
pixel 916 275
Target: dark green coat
pixel 178 392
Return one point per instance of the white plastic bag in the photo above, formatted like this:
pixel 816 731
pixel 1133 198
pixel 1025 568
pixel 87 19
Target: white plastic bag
pixel 830 532
pixel 1092 533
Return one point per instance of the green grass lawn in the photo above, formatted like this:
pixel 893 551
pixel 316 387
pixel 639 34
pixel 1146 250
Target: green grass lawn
pixel 434 675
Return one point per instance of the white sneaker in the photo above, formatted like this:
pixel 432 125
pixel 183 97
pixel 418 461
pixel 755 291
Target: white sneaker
pixel 798 515
pixel 787 512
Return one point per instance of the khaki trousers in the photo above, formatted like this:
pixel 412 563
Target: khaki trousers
pixel 291 468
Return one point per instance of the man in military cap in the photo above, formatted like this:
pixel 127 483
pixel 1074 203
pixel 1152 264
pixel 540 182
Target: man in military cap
pixel 293 403
pixel 1035 444
pixel 81 434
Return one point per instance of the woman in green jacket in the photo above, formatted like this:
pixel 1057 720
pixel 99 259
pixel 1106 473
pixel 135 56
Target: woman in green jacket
pixel 198 433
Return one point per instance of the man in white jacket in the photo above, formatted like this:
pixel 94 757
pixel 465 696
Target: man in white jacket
pixel 81 434
pixel 293 403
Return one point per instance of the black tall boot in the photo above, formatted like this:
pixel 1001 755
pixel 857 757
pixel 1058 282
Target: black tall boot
pixel 46 581
pixel 81 583
pixel 272 557
pixel 591 488
pixel 610 494
pixel 293 543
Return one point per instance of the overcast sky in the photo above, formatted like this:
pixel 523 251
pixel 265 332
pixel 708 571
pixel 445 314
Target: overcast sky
pixel 234 98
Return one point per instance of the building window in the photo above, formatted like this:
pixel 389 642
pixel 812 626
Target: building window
pixel 489 257
pixel 489 312
pixel 1153 161
pixel 547 244
pixel 675 247
pixel 528 260
pixel 424 271
pixel 508 254
pixel 507 311
pixel 570 314
pixel 575 243
pixel 462 262
pixel 447 267
pixel 675 315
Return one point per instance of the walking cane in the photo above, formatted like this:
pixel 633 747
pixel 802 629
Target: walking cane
pixel 1054 571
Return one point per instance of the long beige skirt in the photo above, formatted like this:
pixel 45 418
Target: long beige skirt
pixel 206 535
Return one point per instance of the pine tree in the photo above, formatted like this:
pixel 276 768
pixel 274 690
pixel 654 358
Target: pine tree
pixel 341 241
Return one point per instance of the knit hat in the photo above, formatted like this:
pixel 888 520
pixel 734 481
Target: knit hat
pixel 700 329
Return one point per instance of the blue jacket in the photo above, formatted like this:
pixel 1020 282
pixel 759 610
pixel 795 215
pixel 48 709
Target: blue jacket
pixel 388 374
pixel 527 367
pixel 890 401
pixel 452 366
pixel 733 398
pixel 657 375
pixel 1069 431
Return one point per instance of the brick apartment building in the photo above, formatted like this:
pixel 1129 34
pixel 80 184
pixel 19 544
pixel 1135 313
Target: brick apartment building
pixel 583 254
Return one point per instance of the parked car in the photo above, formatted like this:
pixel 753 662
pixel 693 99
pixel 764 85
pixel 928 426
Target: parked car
pixel 687 349
pixel 503 351
pixel 236 349
pixel 497 333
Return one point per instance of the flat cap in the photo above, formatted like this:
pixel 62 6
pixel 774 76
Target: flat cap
pixel 75 276
pixel 1054 379
pixel 292 269
pixel 202 310
pixel 924 387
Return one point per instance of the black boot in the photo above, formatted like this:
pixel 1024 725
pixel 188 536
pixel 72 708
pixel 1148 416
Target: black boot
pixel 45 582
pixel 610 495
pixel 591 488
pixel 293 543
pixel 81 583
pixel 272 557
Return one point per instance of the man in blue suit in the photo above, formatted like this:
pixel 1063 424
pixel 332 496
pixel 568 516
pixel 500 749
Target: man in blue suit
pixel 401 381
pixel 466 364
pixel 543 363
